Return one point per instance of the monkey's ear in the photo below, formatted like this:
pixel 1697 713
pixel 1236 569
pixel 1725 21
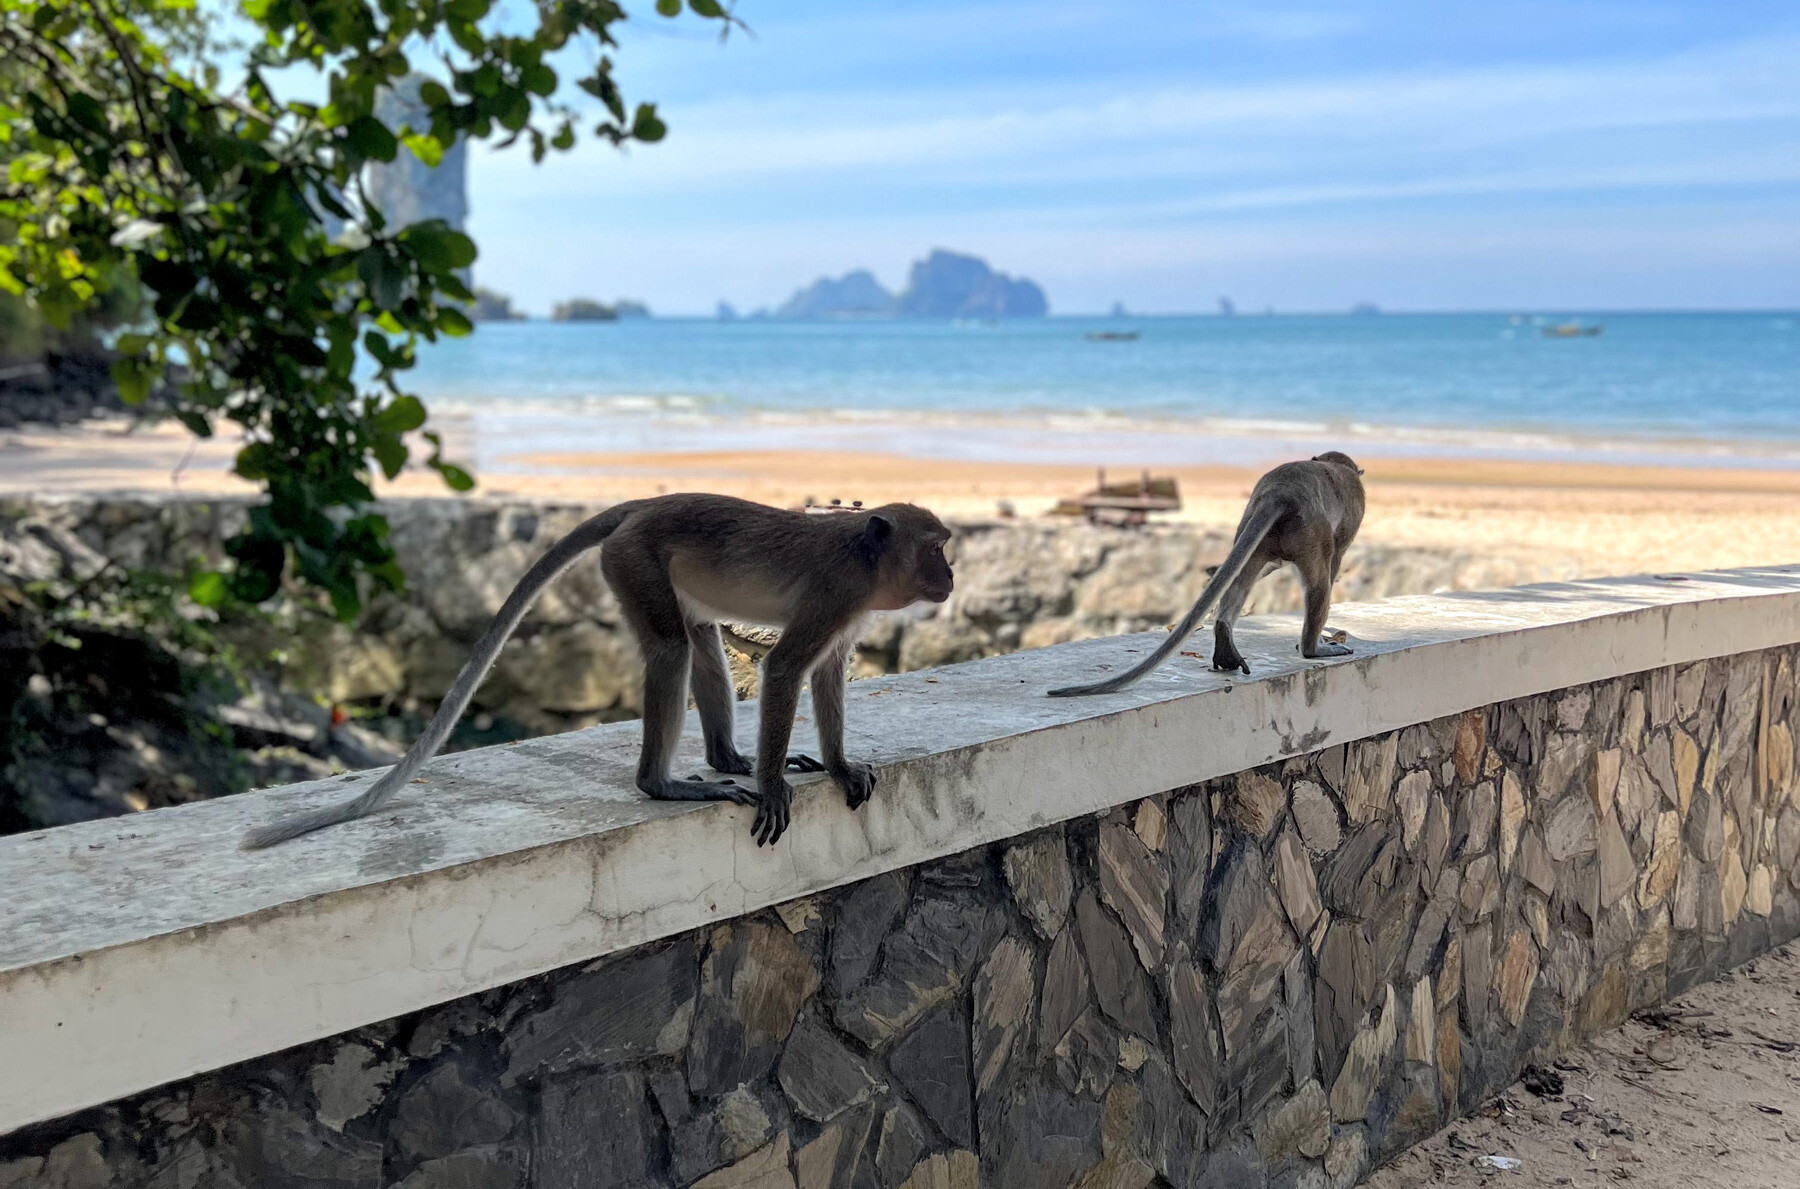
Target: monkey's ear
pixel 875 537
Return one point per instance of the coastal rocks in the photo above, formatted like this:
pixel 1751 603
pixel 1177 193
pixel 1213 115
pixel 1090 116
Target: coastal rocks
pixel 1281 996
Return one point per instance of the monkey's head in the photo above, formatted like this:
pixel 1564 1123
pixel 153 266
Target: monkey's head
pixel 1338 458
pixel 906 544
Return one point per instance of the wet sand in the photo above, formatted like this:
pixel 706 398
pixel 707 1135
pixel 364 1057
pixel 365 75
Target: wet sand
pixel 1605 518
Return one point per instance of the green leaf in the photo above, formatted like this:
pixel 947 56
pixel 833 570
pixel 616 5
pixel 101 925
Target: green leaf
pixel 134 378
pixel 369 137
pixel 208 589
pixel 454 476
pixel 390 452
pixel 645 126
pixel 402 415
pixel 668 8
pixel 454 322
pixel 425 147
pixel 539 79
pixel 197 423
pixel 433 94
pixel 707 8
pixel 384 276
pixel 87 111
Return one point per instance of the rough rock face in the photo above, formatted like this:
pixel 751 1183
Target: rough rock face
pixel 1158 995
pixel 855 294
pixel 406 190
pixel 951 285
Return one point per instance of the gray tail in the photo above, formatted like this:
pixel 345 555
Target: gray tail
pixel 1224 576
pixel 582 538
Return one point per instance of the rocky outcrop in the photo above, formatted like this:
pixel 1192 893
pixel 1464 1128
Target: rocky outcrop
pixel 943 285
pixel 856 294
pixel 406 190
pixel 951 285
pixel 1272 978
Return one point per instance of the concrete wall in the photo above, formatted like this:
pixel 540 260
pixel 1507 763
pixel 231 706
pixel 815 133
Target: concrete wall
pixel 1279 976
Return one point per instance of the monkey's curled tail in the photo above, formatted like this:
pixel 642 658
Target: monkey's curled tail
pixel 561 555
pixel 1242 549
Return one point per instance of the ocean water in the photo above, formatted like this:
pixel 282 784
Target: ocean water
pixel 1658 387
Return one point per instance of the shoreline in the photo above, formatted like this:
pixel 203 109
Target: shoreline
pixel 520 434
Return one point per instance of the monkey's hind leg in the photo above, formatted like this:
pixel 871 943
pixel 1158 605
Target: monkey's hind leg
pixel 1226 657
pixel 1315 576
pixel 662 635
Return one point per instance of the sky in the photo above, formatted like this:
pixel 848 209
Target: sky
pixel 1419 154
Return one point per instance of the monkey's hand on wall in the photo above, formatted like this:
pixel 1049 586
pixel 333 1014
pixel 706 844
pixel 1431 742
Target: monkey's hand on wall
pixel 857 780
pixel 772 810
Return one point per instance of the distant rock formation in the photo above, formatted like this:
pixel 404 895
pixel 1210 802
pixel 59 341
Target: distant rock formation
pixel 406 190
pixel 854 295
pixel 489 306
pixel 725 312
pixel 583 309
pixel 625 307
pixel 950 285
pixel 943 285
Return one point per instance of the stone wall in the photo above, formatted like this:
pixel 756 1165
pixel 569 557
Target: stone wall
pixel 1276 978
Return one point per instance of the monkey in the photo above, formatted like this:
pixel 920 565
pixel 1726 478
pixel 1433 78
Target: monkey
pixel 679 564
pixel 1306 513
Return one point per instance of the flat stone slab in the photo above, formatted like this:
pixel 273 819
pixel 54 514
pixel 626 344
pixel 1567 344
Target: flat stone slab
pixel 134 951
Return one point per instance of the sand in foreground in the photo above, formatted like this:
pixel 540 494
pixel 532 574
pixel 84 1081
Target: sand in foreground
pixel 1602 519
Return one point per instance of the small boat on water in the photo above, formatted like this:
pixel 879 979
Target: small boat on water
pixel 1112 336
pixel 1572 330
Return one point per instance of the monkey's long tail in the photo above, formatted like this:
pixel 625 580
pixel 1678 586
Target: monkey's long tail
pixel 1241 550
pixel 561 555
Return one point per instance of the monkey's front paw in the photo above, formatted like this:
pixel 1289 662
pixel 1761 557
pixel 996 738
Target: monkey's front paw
pixel 803 763
pixel 1230 663
pixel 1324 649
pixel 858 781
pixel 772 812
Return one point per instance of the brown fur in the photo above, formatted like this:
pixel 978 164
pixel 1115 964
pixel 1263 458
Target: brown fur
pixel 1303 513
pixel 678 564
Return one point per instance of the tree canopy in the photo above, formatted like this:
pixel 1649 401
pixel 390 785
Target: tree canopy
pixel 133 173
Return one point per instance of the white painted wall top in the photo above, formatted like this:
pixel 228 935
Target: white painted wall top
pixel 135 951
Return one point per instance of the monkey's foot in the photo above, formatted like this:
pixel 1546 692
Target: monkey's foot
pixel 803 763
pixel 858 781
pixel 696 789
pixel 772 809
pixel 732 763
pixel 1324 649
pixel 1229 662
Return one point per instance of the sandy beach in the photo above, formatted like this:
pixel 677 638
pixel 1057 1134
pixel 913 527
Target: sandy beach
pixel 1602 518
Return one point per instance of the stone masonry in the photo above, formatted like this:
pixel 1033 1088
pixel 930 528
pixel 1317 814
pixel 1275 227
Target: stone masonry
pixel 1278 978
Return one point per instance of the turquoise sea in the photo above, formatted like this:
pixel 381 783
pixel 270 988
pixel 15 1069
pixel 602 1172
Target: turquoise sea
pixel 1669 387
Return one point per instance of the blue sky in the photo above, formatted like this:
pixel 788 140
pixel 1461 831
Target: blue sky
pixel 1526 155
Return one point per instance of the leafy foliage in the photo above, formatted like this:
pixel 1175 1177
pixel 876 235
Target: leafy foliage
pixel 128 165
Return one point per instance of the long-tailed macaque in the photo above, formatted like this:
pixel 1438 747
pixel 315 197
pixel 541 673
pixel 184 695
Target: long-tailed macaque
pixel 679 564
pixel 1306 513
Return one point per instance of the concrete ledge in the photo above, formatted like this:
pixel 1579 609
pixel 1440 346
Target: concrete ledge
pixel 137 951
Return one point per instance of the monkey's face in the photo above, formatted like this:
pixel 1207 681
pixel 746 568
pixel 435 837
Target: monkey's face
pixel 912 562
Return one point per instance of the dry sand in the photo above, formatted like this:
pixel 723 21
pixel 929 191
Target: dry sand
pixel 1603 519
pixel 1703 1094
